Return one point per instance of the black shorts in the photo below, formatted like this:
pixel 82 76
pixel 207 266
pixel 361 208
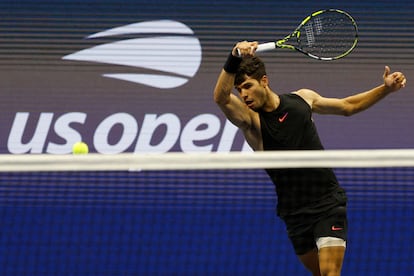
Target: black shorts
pixel 304 229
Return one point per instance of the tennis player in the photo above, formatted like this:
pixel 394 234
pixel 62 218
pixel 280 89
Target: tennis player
pixel 310 201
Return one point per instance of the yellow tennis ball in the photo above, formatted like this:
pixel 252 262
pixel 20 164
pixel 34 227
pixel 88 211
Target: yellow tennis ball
pixel 80 148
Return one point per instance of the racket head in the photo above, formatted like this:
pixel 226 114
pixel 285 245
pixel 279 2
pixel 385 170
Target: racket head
pixel 325 35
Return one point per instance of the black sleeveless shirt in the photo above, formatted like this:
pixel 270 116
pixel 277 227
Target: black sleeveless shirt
pixel 290 127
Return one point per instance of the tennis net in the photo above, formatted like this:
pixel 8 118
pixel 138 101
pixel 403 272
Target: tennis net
pixel 192 213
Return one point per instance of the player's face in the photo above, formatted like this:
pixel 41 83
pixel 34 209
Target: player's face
pixel 252 92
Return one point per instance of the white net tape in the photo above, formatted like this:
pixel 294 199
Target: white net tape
pixel 203 161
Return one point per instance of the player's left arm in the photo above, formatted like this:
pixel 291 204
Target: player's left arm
pixel 355 103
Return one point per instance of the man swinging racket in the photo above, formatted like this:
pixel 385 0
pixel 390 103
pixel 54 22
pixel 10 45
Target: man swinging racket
pixel 310 200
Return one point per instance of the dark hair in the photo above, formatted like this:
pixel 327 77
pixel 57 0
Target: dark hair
pixel 250 67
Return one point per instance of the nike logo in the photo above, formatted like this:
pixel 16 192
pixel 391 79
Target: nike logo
pixel 283 118
pixel 334 228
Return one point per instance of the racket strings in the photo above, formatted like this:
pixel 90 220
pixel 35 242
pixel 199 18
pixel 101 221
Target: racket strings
pixel 328 35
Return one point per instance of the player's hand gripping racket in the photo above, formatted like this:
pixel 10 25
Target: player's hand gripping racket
pixel 325 35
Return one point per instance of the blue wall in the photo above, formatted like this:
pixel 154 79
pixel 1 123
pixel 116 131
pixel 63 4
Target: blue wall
pixel 189 223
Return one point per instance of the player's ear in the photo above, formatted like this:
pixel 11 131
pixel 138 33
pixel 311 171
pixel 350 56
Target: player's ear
pixel 264 81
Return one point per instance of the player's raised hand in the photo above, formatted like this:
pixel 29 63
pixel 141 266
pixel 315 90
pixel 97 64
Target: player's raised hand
pixel 394 81
pixel 245 48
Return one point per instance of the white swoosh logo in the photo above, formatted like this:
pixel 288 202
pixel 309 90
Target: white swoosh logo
pixel 178 54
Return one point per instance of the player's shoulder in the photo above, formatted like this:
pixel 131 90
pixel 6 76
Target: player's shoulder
pixel 308 95
pixel 305 92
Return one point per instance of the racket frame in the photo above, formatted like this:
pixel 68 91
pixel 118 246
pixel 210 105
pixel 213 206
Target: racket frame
pixel 282 43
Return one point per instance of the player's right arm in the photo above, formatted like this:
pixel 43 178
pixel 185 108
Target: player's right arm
pixel 235 110
pixel 232 106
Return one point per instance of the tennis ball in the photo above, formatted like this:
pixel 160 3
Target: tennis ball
pixel 80 148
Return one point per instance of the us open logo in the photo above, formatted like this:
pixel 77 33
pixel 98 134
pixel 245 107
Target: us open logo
pixel 167 49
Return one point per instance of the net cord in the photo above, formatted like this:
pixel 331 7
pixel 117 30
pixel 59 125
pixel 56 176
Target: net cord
pixel 206 161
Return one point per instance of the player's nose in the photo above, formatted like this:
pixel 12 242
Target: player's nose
pixel 243 93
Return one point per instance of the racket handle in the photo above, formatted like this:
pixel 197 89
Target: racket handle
pixel 266 47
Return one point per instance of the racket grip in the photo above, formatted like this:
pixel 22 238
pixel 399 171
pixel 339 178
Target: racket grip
pixel 266 47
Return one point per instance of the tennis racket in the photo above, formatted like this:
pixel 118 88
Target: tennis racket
pixel 324 35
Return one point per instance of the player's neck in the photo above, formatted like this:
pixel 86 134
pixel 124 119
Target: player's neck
pixel 272 102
